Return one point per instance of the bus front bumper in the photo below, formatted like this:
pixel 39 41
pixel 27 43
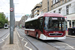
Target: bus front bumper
pixel 43 37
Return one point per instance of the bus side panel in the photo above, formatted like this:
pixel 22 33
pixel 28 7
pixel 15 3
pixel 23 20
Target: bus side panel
pixel 25 31
pixel 33 33
pixel 37 32
pixel 40 33
pixel 30 32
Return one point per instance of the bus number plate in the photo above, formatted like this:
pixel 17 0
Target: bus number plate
pixel 55 37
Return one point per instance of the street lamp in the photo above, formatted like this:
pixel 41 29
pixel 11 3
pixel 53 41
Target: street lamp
pixel 12 21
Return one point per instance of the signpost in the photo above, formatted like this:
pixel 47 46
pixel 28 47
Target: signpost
pixel 12 18
pixel 11 9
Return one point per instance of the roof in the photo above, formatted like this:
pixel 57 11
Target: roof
pixel 29 19
pixel 45 15
pixel 37 5
pixel 52 15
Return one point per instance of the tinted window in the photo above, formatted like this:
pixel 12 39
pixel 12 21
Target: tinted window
pixel 32 24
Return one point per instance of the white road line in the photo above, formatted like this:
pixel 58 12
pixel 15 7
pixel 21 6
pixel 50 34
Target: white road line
pixel 4 38
pixel 24 41
pixel 2 41
pixel 69 45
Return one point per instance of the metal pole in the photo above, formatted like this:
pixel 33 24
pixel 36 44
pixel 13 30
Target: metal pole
pixel 11 21
pixel 47 5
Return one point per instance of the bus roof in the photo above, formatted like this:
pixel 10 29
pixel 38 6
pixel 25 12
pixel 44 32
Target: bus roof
pixel 45 15
pixel 30 19
pixel 51 15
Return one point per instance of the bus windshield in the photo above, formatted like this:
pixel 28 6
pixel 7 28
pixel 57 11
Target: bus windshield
pixel 54 23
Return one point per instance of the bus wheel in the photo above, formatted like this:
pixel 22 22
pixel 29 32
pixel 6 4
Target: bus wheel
pixel 37 35
pixel 27 33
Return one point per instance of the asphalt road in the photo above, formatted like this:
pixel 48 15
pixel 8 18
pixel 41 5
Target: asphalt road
pixel 3 34
pixel 35 44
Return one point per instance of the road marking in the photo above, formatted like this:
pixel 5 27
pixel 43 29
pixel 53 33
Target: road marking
pixel 4 38
pixel 24 41
pixel 68 45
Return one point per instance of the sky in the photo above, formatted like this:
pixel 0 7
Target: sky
pixel 21 7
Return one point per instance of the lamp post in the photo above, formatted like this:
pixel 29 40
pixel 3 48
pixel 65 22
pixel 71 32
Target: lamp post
pixel 12 20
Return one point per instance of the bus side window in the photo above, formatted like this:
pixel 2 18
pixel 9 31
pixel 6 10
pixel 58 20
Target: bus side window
pixel 41 24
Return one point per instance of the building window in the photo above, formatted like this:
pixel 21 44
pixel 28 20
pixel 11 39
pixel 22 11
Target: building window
pixel 57 0
pixel 54 11
pixel 37 14
pixel 63 1
pixel 53 1
pixel 60 10
pixel 68 0
pixel 37 10
pixel 67 9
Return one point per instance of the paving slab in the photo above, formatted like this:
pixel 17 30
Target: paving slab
pixel 15 46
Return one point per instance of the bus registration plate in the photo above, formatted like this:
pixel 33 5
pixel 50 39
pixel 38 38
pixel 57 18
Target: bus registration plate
pixel 55 37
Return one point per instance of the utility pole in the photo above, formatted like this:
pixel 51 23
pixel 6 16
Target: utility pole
pixel 47 5
pixel 12 18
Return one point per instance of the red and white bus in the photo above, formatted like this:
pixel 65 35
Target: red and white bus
pixel 48 26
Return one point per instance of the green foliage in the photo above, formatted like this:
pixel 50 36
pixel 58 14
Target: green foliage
pixel 2 19
pixel 6 21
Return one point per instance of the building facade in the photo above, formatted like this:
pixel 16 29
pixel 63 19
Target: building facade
pixel 35 11
pixel 64 7
pixel 22 21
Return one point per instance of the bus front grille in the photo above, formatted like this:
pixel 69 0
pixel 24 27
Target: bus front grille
pixel 55 34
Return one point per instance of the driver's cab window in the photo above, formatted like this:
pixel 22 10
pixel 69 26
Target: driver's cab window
pixel 41 23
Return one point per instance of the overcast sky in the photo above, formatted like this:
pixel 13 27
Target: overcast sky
pixel 22 7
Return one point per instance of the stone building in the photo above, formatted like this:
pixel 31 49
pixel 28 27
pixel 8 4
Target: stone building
pixel 22 21
pixel 35 11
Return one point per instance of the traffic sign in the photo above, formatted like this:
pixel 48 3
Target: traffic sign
pixel 11 9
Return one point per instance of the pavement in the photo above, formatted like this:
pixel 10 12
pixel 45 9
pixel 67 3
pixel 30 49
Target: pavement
pixel 17 44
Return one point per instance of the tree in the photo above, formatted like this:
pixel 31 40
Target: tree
pixel 3 20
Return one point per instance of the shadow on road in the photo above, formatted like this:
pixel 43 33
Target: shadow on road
pixel 46 41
